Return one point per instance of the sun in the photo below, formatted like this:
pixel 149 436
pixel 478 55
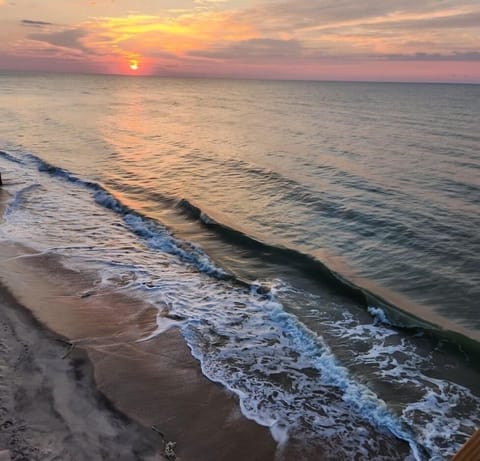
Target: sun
pixel 133 64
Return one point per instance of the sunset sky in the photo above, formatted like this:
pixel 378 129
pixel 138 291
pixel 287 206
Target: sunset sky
pixel 400 40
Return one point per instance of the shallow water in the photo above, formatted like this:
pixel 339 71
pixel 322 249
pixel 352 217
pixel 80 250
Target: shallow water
pixel 225 200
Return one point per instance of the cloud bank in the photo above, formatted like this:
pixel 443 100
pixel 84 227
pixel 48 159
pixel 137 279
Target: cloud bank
pixel 299 38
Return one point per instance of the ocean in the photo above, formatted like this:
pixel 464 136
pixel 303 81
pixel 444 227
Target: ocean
pixel 316 243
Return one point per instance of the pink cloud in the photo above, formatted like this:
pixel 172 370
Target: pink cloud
pixel 394 40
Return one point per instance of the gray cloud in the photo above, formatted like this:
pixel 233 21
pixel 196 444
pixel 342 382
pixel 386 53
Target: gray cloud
pixel 310 13
pixel 29 22
pixel 209 2
pixel 69 38
pixel 455 56
pixel 351 28
pixel 259 48
pixel 43 51
pixel 458 21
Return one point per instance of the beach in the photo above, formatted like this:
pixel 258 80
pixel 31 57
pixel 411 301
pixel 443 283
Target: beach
pixel 49 406
pixel 302 289
pixel 71 374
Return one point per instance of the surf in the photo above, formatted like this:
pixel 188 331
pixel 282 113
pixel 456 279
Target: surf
pixel 405 316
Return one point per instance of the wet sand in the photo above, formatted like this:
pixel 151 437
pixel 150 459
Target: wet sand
pixel 49 407
pixel 101 401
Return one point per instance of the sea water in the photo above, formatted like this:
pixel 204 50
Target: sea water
pixel 318 242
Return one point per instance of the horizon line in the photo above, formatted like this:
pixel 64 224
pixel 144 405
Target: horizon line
pixel 243 78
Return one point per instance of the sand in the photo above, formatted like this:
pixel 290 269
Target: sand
pixel 49 407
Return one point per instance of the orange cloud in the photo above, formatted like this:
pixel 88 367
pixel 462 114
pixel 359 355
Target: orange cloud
pixel 393 18
pixel 213 39
pixel 151 36
pixel 399 32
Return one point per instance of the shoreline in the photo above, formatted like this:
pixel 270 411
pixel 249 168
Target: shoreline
pixel 151 378
pixel 154 383
pixel 50 406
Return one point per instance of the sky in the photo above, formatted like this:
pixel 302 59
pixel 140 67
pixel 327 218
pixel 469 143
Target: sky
pixel 380 40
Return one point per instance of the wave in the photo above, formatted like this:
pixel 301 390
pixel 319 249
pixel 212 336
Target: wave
pixel 153 233
pixel 316 357
pixel 10 157
pixel 293 335
pixel 380 308
pixel 19 198
pixel 157 236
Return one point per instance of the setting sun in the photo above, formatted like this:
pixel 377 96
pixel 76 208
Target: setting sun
pixel 134 64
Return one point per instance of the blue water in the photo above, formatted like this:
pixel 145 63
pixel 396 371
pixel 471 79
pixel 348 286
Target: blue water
pixel 318 241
